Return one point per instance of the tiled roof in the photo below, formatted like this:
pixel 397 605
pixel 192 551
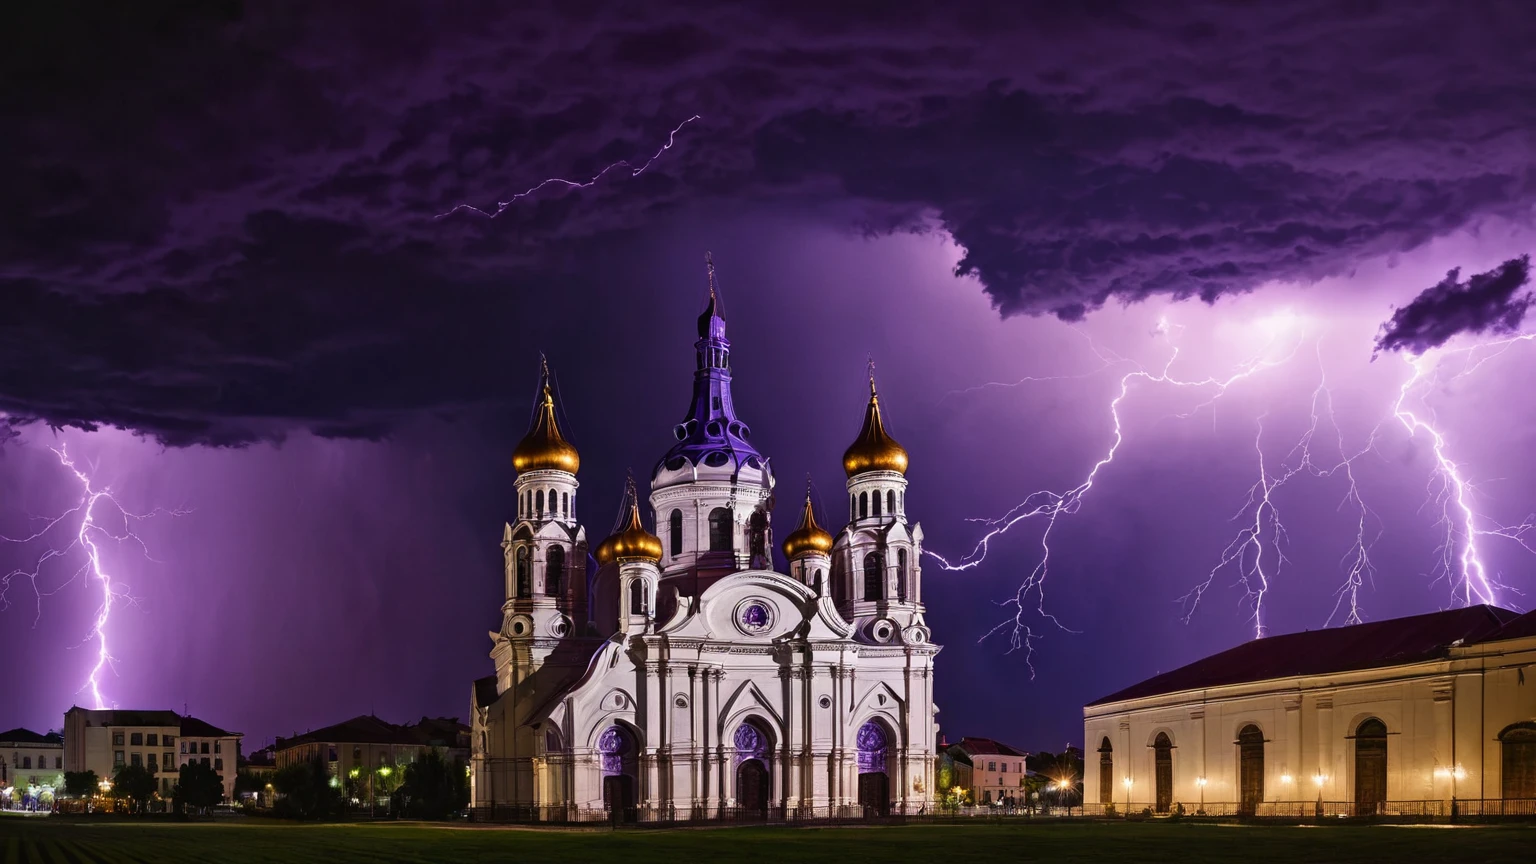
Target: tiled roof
pixel 1394 642
pixel 191 727
pixel 118 717
pixel 987 747
pixel 1521 627
pixel 362 729
pixel 27 736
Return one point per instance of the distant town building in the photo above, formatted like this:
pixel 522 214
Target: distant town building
pixel 997 770
pixel 1428 709
pixel 30 759
pixel 367 754
pixel 104 740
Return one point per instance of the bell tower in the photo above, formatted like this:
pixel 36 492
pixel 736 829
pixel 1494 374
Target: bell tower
pixel 544 551
pixel 877 558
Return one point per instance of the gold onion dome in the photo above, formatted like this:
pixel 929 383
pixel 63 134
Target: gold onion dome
pixel 808 538
pixel 544 448
pixel 632 542
pixel 874 450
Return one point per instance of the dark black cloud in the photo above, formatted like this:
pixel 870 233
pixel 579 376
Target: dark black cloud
pixel 1489 302
pixel 219 219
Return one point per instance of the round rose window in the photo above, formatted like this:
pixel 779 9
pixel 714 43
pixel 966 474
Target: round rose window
pixel 755 616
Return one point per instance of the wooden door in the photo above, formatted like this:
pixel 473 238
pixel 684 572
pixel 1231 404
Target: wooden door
pixel 875 792
pixel 1250 770
pixel 1164 764
pixel 1370 768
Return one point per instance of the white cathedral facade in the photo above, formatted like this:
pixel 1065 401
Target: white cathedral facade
pixel 686 678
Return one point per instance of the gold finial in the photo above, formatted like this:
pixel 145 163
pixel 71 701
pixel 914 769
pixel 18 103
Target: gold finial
pixel 630 541
pixel 808 537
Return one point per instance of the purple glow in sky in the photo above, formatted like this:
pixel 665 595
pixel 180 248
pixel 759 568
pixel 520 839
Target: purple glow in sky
pixel 1124 268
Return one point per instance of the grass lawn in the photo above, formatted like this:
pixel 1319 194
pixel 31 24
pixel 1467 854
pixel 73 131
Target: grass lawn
pixel 63 841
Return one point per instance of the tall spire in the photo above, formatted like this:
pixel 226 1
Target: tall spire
pixel 712 434
pixel 544 448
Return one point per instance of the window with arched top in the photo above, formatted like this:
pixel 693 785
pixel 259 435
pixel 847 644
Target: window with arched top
pixel 1370 767
pixel 890 502
pixel 565 504
pixel 720 539
pixel 1250 769
pixel 524 586
pixel 1106 772
pixel 816 585
pixel 637 597
pixel 1162 763
pixel 901 575
pixel 873 576
pixel 554 575
pixel 853 506
pixel 522 505
pixel 538 503
pixel 675 532
pixel 757 537
pixel 863 505
pixel 552 502
pixel 1517 745
pixel 875 511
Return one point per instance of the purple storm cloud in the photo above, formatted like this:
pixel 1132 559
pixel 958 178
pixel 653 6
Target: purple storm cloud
pixel 1484 303
pixel 218 214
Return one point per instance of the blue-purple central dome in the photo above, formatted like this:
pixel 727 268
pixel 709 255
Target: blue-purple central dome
pixel 711 436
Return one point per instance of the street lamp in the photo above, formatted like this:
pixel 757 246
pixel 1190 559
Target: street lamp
pixel 1127 796
pixel 1201 781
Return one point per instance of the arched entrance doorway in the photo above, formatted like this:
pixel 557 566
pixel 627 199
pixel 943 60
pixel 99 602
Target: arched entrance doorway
pixel 1518 761
pixel 1250 770
pixel 1162 749
pixel 617 753
pixel 1370 767
pixel 874 783
pixel 753 790
pixel 1106 772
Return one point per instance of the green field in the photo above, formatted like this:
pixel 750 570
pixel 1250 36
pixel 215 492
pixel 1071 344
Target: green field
pixel 59 841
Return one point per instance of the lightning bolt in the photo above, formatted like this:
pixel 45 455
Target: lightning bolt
pixel 501 206
pixel 1051 505
pixel 1259 517
pixel 88 538
pixel 1461 563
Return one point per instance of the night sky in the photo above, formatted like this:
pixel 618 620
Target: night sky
pixel 225 289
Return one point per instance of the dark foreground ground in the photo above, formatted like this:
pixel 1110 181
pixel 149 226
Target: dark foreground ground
pixel 65 841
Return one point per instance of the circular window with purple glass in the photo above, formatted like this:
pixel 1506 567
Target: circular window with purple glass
pixel 755 616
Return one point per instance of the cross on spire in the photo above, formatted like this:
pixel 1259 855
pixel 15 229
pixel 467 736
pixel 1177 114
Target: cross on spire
pixel 709 266
pixel 871 358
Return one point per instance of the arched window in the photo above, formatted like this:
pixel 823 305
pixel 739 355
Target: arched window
pixel 552 502
pixel 890 503
pixel 1370 767
pixel 1518 746
pixel 757 541
pixel 876 502
pixel 522 505
pixel 720 530
pixel 554 570
pixel 853 506
pixel 1250 769
pixel 565 504
pixel 1106 772
pixel 863 505
pixel 901 575
pixel 538 503
pixel 675 532
pixel 1162 749
pixel 873 576
pixel 637 597
pixel 524 589
pixel 816 586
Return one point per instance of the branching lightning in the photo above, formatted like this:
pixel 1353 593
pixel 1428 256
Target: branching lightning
pixel 1051 505
pixel 501 206
pixel 87 540
pixel 1460 562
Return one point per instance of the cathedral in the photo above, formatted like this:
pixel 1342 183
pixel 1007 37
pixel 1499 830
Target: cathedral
pixel 684 677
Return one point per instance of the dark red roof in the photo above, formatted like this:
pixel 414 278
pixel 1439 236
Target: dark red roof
pixel 987 747
pixel 1394 642
pixel 27 736
pixel 191 727
pixel 1523 626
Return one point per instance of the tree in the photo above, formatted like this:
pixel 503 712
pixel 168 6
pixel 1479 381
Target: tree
pixel 306 789
pixel 198 787
pixel 435 788
pixel 248 783
pixel 135 783
pixel 81 784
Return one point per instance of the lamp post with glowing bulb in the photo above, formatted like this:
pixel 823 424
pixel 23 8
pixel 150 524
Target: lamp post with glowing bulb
pixel 1200 781
pixel 1127 797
